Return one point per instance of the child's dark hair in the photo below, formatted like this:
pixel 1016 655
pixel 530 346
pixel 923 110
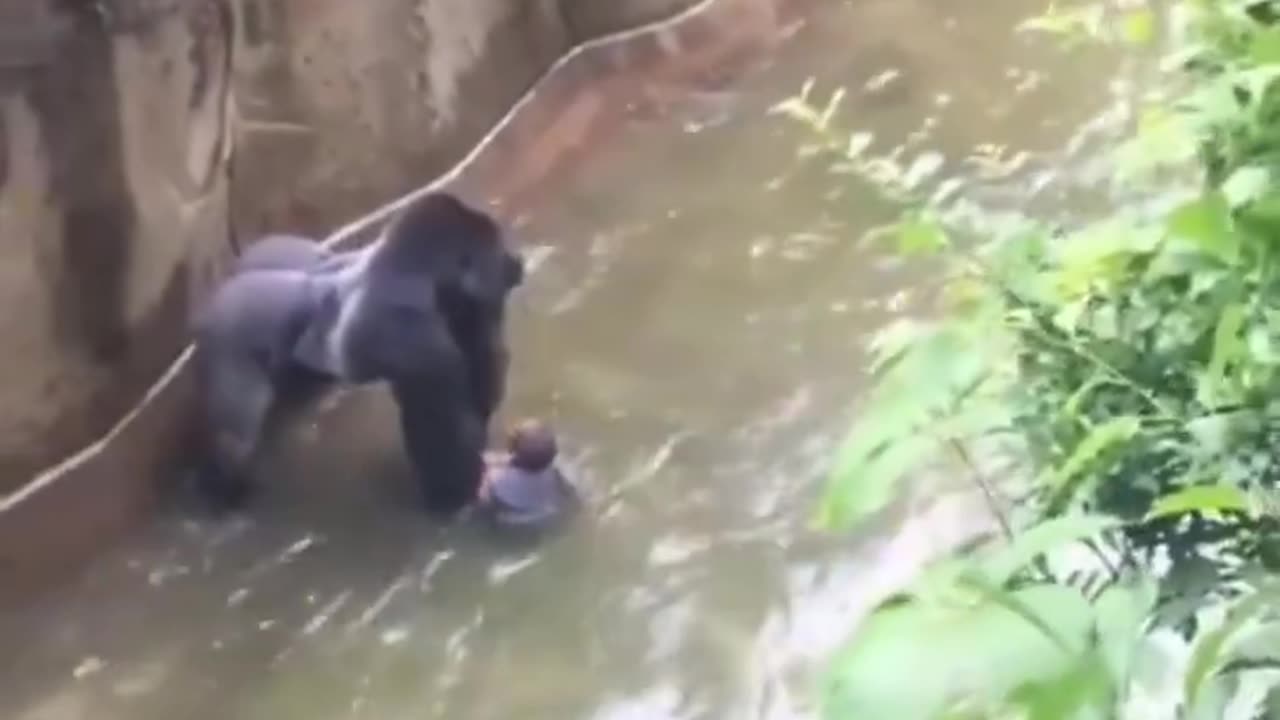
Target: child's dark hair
pixel 532 444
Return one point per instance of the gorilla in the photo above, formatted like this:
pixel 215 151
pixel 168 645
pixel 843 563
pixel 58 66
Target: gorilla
pixel 422 309
pixel 284 252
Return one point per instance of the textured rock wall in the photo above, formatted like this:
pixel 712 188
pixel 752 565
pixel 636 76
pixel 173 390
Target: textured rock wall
pixel 112 187
pixel 341 105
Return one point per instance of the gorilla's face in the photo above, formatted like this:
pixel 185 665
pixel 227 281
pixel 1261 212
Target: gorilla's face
pixel 478 294
pixel 487 278
pixel 461 250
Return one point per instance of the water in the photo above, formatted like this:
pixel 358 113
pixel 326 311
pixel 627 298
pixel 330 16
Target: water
pixel 694 326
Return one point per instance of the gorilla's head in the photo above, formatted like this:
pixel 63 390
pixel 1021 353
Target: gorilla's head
pixel 462 250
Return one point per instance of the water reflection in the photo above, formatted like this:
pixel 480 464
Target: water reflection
pixel 694 327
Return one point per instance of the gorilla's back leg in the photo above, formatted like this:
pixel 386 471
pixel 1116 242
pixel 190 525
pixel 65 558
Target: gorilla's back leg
pixel 237 398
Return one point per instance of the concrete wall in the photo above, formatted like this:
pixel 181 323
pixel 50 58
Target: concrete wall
pixel 141 141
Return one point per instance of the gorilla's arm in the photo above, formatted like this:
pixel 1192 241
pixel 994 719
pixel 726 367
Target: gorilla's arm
pixel 476 313
pixel 487 360
pixel 442 427
pixel 485 343
pixel 443 438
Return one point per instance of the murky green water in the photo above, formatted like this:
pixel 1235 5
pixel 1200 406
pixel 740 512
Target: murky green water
pixel 694 327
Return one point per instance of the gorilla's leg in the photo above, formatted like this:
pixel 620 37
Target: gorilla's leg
pixel 298 388
pixel 246 410
pixel 244 342
pixel 444 439
pixel 237 398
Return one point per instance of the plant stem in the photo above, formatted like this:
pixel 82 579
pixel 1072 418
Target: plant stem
pixel 988 492
pixel 1102 558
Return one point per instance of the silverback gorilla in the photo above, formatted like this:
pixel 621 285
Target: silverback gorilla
pixel 421 309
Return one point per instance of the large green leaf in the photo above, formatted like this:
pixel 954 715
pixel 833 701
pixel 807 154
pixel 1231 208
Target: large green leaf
pixel 1228 344
pixel 1246 185
pixel 920 234
pixel 1065 480
pixel 888 344
pixel 1256 81
pixel 919 390
pixel 1211 651
pixel 1122 613
pixel 1138 26
pixel 1206 499
pixel 864 484
pixel 1206 223
pixel 1163 140
pixel 1099 253
pixel 1264 49
pixel 916 660
pixel 1002 564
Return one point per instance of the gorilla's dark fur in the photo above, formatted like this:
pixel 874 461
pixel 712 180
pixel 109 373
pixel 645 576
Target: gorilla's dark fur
pixel 282 252
pixel 422 308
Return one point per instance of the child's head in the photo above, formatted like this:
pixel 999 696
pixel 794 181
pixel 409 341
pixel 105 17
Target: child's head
pixel 532 444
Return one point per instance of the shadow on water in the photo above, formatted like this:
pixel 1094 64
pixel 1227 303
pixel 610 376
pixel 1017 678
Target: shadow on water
pixel 694 326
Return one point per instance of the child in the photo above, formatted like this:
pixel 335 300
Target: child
pixel 527 491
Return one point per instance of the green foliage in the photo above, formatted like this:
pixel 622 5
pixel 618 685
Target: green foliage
pixel 981 649
pixel 915 421
pixel 1132 363
pixel 1135 354
pixel 973 654
pixel 1206 499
